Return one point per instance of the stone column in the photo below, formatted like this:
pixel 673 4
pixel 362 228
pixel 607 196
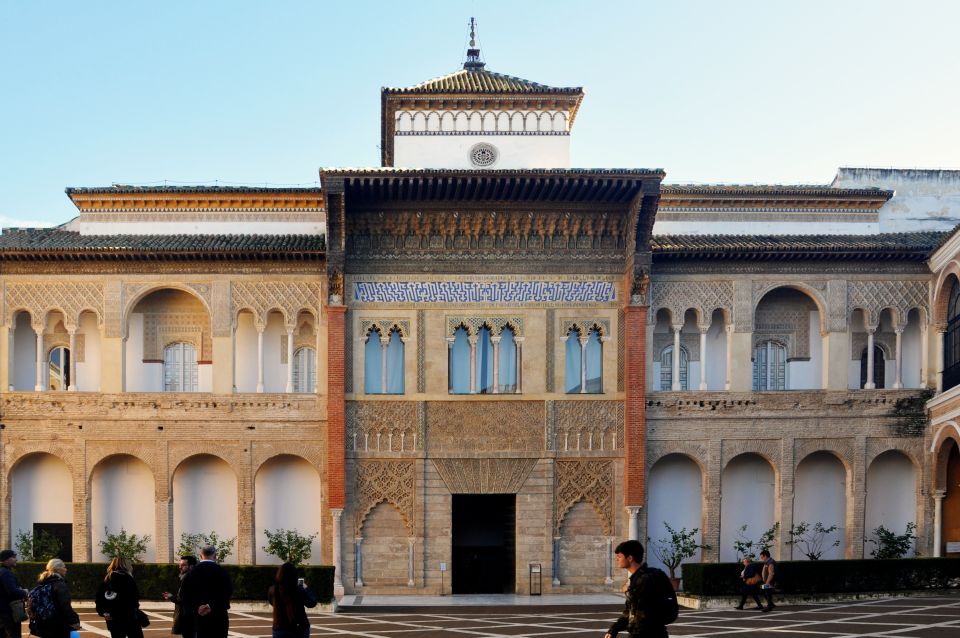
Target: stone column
pixel 384 345
pixel 941 330
pixel 6 371
pixel 164 527
pixel 472 340
pixel 411 546
pixel 728 381
pixel 496 363
pixel 358 561
pixel 72 387
pixel 633 522
pixel 857 500
pixel 924 355
pixel 335 514
pixel 556 561
pixel 703 356
pixel 898 380
pixel 608 580
pixel 675 372
pixel 869 384
pixel 938 522
pixel 519 342
pixel 289 387
pixel 38 331
pixel 260 329
pixel 583 339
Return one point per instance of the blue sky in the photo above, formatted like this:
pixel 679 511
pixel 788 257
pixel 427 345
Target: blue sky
pixel 95 93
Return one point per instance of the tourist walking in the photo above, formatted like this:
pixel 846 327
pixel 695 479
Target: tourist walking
pixel 750 583
pixel 10 592
pixel 205 593
pixel 51 614
pixel 290 597
pixel 651 603
pixel 183 624
pixel 768 576
pixel 118 600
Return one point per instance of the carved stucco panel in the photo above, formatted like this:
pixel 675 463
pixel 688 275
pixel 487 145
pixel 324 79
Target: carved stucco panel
pixel 484 476
pixel 873 296
pixel 383 426
pixel 588 481
pixel 289 297
pixel 393 482
pixel 587 425
pixel 703 296
pixel 71 298
pixel 468 426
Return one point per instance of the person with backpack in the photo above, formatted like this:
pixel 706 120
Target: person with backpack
pixel 50 611
pixel 651 604
pixel 118 600
pixel 10 593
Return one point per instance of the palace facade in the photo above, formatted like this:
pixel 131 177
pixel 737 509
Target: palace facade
pixel 475 359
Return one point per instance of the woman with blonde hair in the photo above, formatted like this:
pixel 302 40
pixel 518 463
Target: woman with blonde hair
pixel 118 600
pixel 53 615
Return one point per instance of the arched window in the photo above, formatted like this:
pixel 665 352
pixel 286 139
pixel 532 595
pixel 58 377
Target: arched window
pixel 395 364
pixel 951 340
pixel 484 362
pixel 305 370
pixel 373 364
pixel 878 367
pixel 584 369
pixel 507 372
pixel 383 363
pixel 180 367
pixel 458 363
pixel 58 368
pixel 666 368
pixel 572 370
pixel 594 363
pixel 770 366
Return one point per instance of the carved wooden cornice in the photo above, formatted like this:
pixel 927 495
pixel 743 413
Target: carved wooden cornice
pixel 107 200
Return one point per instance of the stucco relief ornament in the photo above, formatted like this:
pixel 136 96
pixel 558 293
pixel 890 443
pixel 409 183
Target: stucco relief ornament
pixel 336 288
pixel 638 290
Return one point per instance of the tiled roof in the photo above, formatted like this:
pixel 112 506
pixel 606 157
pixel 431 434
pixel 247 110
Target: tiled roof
pixel 909 246
pixel 481 81
pixel 750 190
pixel 127 188
pixel 56 243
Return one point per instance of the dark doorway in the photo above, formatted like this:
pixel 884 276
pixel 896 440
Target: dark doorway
pixel 46 535
pixel 484 543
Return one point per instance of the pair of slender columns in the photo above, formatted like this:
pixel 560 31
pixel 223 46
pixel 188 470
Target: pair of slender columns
pixel 260 331
pixel 870 382
pixel 40 384
pixel 675 371
pixel 495 340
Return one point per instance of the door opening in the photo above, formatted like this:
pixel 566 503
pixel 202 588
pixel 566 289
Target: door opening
pixel 484 540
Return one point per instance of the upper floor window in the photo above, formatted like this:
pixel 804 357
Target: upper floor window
pixel 770 366
pixel 508 362
pixel 666 368
pixel 305 370
pixel 951 340
pixel 180 367
pixel 486 362
pixel 58 368
pixel 383 363
pixel 879 368
pixel 584 362
pixel 458 362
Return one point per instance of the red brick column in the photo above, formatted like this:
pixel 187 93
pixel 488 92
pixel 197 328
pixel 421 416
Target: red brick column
pixel 635 380
pixel 336 409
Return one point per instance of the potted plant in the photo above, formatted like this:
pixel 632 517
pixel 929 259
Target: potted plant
pixel 675 548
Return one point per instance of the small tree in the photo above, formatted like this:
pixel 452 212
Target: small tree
pixel 288 545
pixel 680 545
pixel 193 543
pixel 746 547
pixel 810 538
pixel 41 547
pixel 890 545
pixel 124 545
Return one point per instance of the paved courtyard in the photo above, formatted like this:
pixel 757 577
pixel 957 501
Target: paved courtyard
pixel 927 617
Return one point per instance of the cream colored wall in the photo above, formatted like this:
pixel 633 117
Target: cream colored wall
pixel 40 492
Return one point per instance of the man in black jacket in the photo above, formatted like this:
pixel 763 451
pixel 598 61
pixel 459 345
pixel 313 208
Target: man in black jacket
pixel 205 593
pixel 636 618
pixel 182 619
pixel 10 591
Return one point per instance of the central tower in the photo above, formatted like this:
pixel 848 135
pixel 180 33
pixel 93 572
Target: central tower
pixel 477 119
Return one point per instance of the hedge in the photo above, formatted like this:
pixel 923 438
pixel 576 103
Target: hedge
pixel 250 582
pixel 830 576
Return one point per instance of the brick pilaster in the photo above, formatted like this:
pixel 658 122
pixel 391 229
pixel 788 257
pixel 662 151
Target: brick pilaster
pixel 635 386
pixel 336 408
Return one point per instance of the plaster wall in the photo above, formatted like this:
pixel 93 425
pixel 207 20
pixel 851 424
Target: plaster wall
pixel 891 494
pixel 749 498
pixel 288 494
pixel 808 375
pixel 820 488
pixel 88 370
pixel 41 489
pixel 24 354
pixel 245 353
pixel 122 496
pixel 453 151
pixel 923 199
pixel 675 496
pixel 274 372
pixel 205 499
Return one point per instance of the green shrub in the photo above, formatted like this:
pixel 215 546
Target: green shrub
pixel 288 545
pixel 830 576
pixel 250 582
pixel 123 544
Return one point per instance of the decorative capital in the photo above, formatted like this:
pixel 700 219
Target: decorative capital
pixel 639 287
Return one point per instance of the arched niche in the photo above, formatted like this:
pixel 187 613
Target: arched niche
pixel 287 491
pixel 205 499
pixel 122 496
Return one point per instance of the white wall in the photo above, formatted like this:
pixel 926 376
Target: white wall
pixel 274 372
pixel 922 200
pixel 245 354
pixel 748 498
pixel 88 371
pixel 726 227
pixel 123 496
pixel 205 499
pixel 716 354
pixel 287 492
pixel 820 495
pixel 452 151
pixel 24 354
pixel 806 375
pixel 674 496
pixel 891 495
pixel 141 377
pixel 41 491
pixel 912 348
pixel 198 228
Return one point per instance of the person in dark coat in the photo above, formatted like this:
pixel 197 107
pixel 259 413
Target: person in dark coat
pixel 289 597
pixel 205 593
pixel 182 620
pixel 65 619
pixel 750 585
pixel 636 618
pixel 118 600
pixel 10 591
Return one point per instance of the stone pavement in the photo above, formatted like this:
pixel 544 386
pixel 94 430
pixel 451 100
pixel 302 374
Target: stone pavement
pixel 920 617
